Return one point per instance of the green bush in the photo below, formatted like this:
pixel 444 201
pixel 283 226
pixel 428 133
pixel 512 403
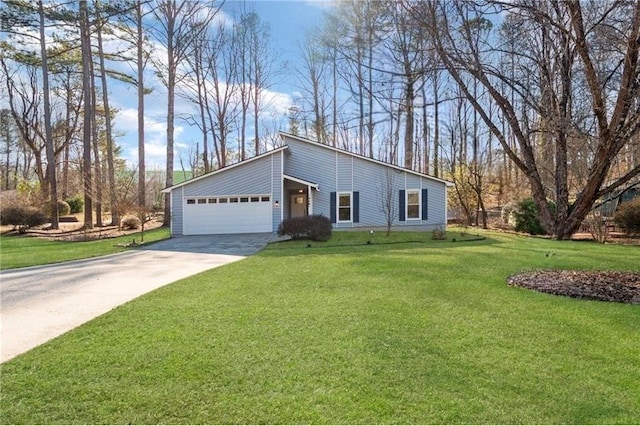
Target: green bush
pixel 63 208
pixel 130 222
pixel 627 216
pixel 314 228
pixel 526 217
pixel 22 217
pixel 76 204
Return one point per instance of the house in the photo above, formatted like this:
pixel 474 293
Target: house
pixel 303 177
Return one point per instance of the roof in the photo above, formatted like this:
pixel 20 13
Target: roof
pixel 234 165
pixel 362 157
pixel 302 181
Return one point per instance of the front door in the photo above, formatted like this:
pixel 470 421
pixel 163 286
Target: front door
pixel 298 205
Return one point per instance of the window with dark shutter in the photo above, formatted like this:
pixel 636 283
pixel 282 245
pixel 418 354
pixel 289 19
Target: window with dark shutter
pixel 332 207
pixel 356 207
pixel 425 210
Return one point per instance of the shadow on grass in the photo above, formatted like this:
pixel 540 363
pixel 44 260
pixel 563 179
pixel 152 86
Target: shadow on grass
pixel 364 245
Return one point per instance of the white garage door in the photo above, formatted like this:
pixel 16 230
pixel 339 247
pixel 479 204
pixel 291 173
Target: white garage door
pixel 227 215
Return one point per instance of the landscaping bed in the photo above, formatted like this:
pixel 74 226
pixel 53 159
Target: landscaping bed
pixel 610 286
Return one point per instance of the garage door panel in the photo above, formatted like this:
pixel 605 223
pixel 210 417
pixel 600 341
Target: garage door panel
pixel 227 218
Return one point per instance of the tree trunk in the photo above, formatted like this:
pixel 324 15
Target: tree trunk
pixel 50 150
pixel 87 126
pixel 113 202
pixel 142 201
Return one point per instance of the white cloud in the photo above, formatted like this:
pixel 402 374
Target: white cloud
pixel 278 103
pixel 155 135
pixel 322 4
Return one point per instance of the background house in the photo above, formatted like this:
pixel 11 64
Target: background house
pixel 304 177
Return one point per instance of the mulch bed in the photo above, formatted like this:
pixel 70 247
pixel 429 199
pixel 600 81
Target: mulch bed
pixel 76 232
pixel 610 286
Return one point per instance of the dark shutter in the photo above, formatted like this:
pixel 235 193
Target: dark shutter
pixel 425 210
pixel 332 207
pixel 356 207
pixel 401 205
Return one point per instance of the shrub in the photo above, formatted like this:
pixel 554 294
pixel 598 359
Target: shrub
pixel 63 208
pixel 314 228
pixel 129 222
pixel 527 217
pixel 627 216
pixel 22 217
pixel 439 234
pixel 508 213
pixel 76 204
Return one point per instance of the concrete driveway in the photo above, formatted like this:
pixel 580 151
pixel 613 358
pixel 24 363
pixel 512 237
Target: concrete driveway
pixel 43 302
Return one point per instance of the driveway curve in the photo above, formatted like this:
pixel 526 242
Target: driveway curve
pixel 43 302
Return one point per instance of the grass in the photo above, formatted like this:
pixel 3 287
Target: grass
pixel 349 332
pixel 17 251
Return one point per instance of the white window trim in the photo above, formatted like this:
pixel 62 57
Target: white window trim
pixel 338 195
pixel 406 204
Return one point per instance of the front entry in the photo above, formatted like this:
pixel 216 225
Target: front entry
pixel 299 205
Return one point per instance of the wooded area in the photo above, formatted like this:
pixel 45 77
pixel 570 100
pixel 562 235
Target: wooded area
pixel 506 99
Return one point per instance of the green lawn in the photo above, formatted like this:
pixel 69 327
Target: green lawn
pixel 349 332
pixel 17 251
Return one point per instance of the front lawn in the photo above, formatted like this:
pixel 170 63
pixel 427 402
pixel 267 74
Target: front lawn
pixel 18 251
pixel 347 332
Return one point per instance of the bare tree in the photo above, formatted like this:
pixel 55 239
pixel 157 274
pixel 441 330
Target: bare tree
pixel 222 101
pixel 314 84
pixel 85 41
pixel 9 137
pixel 562 28
pixel 141 60
pixel 179 24
pixel 49 148
pixel 388 197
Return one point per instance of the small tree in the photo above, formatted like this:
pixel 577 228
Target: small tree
pixel 145 215
pixel 597 226
pixel 388 200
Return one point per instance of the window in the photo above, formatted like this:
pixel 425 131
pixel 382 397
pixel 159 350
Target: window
pixel 267 199
pixel 191 201
pixel 344 207
pixel 213 200
pixel 244 199
pixel 233 199
pixel 255 199
pixel 413 204
pixel 222 200
pixel 202 201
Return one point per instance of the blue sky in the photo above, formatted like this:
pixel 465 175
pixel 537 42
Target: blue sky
pixel 289 22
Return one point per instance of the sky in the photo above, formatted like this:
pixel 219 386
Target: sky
pixel 288 21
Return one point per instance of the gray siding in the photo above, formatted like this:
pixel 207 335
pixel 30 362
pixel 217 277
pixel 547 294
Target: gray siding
pixel 437 203
pixel 344 182
pixel 276 189
pixel 313 164
pixel 337 172
pixel 332 171
pixel 375 183
pixel 176 212
pixel 260 177
pixel 253 178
